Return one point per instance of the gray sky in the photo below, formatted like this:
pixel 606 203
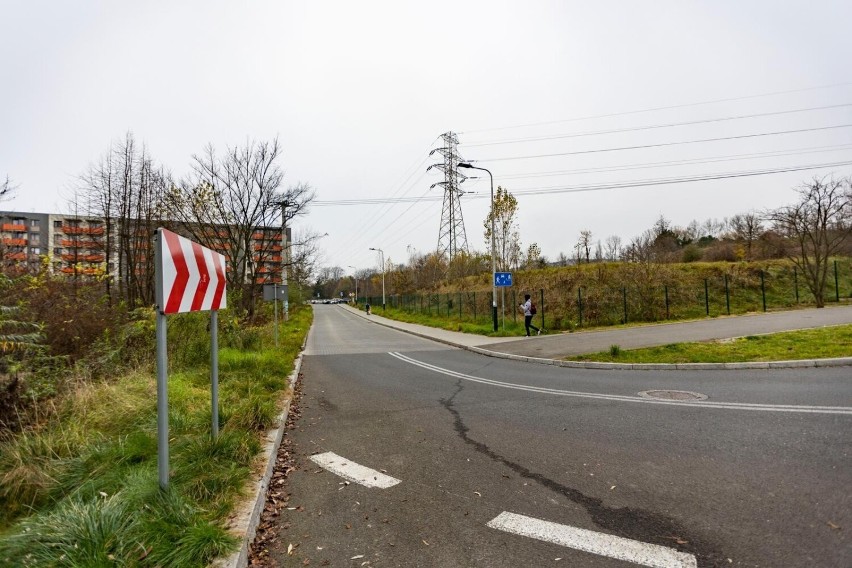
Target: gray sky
pixel 359 93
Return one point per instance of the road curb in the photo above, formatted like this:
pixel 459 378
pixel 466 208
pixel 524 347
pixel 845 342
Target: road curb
pixel 247 516
pixel 798 364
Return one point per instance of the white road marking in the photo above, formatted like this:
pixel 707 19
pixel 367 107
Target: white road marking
pixel 351 471
pixel 597 543
pixel 620 398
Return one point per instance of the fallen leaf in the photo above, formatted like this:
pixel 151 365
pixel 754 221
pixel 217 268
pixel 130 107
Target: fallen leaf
pixel 357 556
pixel 426 543
pixel 290 549
pixel 348 526
pixel 477 493
pixel 833 526
pixel 611 488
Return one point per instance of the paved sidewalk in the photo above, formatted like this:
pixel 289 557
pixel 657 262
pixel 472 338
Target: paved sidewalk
pixel 560 345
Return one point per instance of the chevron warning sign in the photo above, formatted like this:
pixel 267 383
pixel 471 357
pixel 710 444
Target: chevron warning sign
pixel 190 277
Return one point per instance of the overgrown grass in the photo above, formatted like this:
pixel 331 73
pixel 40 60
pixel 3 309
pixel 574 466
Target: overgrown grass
pixel 81 489
pixel 819 343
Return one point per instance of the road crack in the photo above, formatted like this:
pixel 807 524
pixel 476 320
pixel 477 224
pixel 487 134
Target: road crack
pixel 628 522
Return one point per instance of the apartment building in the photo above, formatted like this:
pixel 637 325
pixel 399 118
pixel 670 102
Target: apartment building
pixel 76 245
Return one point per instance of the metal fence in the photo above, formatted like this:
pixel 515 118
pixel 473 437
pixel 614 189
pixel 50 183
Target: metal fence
pixel 737 291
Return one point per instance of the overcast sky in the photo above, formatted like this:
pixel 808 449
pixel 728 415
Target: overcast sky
pixel 360 92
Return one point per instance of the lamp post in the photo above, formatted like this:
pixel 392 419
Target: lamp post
pixel 493 246
pixel 356 283
pixel 383 274
pixel 285 258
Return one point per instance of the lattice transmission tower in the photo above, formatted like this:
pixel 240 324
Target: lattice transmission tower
pixel 452 238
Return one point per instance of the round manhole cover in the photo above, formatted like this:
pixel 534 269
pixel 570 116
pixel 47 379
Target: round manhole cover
pixel 672 395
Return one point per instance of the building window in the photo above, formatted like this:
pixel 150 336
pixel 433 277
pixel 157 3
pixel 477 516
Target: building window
pixel 19 222
pixel 57 239
pixel 57 251
pixel 35 239
pixel 57 224
pixel 34 223
pixel 35 250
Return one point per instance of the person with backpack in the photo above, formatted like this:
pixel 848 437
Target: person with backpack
pixel 529 311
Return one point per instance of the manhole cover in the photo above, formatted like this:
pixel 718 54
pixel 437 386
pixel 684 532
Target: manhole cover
pixel 672 395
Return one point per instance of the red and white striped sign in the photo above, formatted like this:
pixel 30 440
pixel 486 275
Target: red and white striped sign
pixel 193 277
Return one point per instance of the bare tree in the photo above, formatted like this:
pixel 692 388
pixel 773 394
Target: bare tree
pixel 7 189
pixel 124 188
pixel 747 227
pixel 613 247
pixel 818 224
pixel 228 198
pixel 585 244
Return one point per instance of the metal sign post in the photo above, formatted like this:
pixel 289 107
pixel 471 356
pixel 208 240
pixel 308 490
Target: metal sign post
pixel 502 280
pixel 275 292
pixel 188 278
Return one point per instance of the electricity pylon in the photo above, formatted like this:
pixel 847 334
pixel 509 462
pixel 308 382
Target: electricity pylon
pixel 452 238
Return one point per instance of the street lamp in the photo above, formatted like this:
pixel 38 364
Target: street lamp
pixel 383 274
pixel 493 246
pixel 356 283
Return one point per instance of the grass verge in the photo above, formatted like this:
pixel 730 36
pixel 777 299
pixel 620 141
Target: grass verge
pixel 483 325
pixel 821 343
pixel 81 488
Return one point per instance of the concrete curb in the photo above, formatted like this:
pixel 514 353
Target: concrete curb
pixel 799 364
pixel 247 516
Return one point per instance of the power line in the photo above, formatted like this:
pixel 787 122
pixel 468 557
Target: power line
pixel 669 181
pixel 653 126
pixel 691 161
pixel 664 144
pixel 601 187
pixel 654 109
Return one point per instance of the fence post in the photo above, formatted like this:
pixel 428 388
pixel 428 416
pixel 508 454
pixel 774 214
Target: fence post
pixel 836 284
pixel 580 304
pixel 514 307
pixel 796 282
pixel 763 289
pixel 542 306
pixel 624 299
pixel 727 295
pixel 666 288
pixel 474 307
pixel 706 298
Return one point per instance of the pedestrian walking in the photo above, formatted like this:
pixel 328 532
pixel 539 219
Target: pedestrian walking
pixel 529 311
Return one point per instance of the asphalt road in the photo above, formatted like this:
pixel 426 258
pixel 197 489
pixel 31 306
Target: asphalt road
pixel 758 474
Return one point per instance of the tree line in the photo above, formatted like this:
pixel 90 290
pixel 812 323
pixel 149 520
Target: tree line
pixel 809 232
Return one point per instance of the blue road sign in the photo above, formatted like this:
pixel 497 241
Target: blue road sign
pixel 502 279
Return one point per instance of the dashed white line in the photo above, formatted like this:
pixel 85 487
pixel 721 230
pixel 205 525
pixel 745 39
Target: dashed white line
pixel 601 544
pixel 621 398
pixel 351 471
